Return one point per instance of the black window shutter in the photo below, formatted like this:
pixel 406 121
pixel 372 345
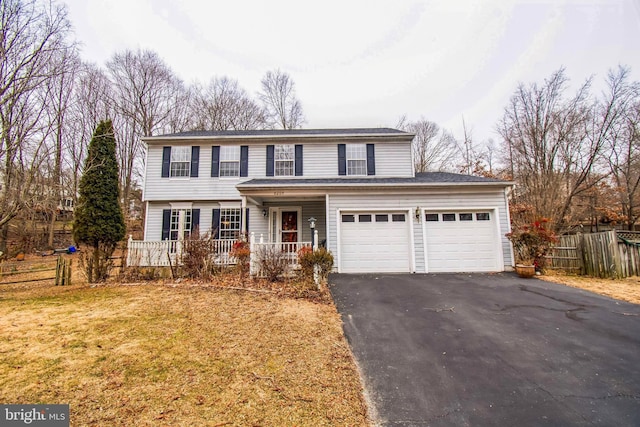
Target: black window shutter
pixel 195 219
pixel 270 158
pixel 215 161
pixel 244 160
pixel 215 224
pixel 166 223
pixel 195 160
pixel 371 160
pixel 298 163
pixel 342 159
pixel 166 161
pixel 246 215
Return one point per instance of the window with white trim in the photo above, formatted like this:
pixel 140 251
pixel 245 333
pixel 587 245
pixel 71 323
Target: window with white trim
pixel 356 155
pixel 230 221
pixel 284 160
pixel 180 161
pixel 174 225
pixel 230 161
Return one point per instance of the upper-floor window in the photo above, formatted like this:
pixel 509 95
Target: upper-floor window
pixel 284 158
pixel 356 159
pixel 230 160
pixel 180 161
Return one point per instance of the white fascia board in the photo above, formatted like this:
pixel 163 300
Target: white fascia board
pixel 333 137
pixel 386 186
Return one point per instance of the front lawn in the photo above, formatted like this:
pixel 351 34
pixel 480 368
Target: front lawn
pixel 180 356
pixel 627 289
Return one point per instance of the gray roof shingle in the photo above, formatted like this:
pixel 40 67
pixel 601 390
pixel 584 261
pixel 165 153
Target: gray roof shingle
pixel 424 178
pixel 282 132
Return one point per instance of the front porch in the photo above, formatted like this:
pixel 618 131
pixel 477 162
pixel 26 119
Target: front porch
pixel 169 253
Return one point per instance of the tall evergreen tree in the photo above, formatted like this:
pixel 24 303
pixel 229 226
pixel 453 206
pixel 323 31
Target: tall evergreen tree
pixel 98 221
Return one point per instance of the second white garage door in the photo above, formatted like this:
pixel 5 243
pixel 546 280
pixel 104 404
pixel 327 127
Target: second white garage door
pixel 374 242
pixel 461 241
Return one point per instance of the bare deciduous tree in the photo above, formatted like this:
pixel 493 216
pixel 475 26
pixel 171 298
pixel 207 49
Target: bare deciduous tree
pixel 554 142
pixel 224 105
pixel 434 149
pixel 622 154
pixel 144 93
pixel 283 108
pixel 32 34
pixel 57 99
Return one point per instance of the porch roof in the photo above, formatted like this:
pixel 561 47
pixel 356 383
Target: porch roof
pixel 425 179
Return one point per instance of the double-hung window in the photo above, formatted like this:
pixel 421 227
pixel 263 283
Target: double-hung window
pixel 230 223
pixel 356 159
pixel 180 161
pixel 284 160
pixel 230 161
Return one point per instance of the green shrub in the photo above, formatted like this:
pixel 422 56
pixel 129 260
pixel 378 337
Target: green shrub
pixel 309 259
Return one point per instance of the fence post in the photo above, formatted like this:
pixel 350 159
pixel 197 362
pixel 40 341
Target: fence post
pixel 252 254
pixel 63 272
pixel 315 240
pixel 129 243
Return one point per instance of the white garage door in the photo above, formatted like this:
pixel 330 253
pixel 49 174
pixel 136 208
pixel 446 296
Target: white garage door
pixel 461 241
pixel 374 242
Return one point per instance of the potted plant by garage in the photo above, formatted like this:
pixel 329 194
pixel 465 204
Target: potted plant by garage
pixel 531 242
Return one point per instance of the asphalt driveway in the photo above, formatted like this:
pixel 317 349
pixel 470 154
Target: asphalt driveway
pixel 491 349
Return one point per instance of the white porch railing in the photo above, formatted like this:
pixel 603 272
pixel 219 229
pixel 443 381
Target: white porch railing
pixel 142 253
pixel 287 250
pixel 168 252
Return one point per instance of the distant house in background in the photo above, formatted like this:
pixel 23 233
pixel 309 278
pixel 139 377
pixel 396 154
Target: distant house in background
pixel 370 208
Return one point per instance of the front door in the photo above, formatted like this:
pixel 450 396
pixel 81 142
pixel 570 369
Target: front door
pixel 285 224
pixel 289 226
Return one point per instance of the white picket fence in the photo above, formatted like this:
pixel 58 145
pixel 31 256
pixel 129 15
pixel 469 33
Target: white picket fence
pixel 141 253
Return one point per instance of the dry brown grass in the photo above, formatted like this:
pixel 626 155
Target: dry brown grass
pixel 623 289
pixel 177 355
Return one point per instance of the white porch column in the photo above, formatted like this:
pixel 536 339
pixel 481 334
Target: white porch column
pixel 243 215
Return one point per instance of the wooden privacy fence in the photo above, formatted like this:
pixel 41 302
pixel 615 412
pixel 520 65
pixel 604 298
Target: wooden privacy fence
pixel 597 254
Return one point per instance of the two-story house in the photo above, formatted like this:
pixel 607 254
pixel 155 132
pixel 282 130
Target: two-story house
pixel 372 211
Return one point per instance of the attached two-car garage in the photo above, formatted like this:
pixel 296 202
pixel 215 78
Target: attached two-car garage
pixel 451 241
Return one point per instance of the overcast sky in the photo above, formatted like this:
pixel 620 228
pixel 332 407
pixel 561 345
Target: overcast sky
pixel 365 63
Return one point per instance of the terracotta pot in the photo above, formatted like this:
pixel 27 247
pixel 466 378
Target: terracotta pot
pixel 525 270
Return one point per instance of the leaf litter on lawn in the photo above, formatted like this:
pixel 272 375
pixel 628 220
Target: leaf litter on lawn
pixel 179 354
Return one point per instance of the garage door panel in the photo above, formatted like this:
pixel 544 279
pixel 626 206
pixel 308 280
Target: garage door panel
pixel 461 246
pixel 375 246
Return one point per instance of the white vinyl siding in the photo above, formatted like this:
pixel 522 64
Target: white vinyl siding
pixel 153 222
pixel 201 188
pixel 321 161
